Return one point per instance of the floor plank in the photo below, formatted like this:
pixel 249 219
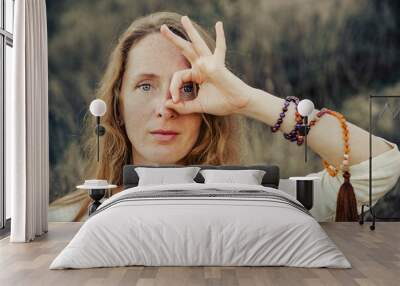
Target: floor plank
pixel 374 255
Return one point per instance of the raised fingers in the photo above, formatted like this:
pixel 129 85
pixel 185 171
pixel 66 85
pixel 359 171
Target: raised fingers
pixel 198 43
pixel 220 47
pixel 182 44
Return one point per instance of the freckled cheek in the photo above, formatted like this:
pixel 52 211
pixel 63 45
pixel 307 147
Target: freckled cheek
pixel 136 115
pixel 192 125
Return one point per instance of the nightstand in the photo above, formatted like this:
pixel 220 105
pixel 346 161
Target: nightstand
pixel 96 192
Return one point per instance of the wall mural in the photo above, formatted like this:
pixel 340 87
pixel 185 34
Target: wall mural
pixel 335 53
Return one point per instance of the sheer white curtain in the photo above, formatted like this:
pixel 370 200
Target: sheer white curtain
pixel 28 122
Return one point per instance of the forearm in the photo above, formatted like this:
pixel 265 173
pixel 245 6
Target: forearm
pixel 324 138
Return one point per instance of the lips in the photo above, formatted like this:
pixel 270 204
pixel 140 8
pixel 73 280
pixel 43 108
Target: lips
pixel 164 135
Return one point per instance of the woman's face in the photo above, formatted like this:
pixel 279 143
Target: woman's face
pixel 158 135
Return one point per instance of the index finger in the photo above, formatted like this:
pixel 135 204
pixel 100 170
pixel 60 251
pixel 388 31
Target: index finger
pixel 180 43
pixel 198 43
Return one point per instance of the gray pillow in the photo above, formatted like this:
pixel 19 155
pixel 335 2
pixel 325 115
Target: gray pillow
pixel 162 176
pixel 248 177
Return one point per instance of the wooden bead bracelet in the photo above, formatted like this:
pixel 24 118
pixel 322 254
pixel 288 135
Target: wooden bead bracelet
pixel 346 202
pixel 346 150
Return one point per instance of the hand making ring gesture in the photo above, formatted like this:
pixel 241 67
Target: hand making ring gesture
pixel 218 87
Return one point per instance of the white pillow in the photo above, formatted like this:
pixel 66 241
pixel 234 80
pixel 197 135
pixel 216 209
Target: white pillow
pixel 162 176
pixel 248 177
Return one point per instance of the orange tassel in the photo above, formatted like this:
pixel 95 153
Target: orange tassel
pixel 346 205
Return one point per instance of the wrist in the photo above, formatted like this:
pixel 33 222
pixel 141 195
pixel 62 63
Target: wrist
pixel 249 93
pixel 257 103
pixel 266 108
pixel 237 91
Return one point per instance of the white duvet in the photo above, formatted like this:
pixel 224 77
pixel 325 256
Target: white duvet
pixel 183 231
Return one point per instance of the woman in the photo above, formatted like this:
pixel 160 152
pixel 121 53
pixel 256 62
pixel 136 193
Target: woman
pixel 155 115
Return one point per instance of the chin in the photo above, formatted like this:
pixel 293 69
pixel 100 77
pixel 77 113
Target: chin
pixel 165 155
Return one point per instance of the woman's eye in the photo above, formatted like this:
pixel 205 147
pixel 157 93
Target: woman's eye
pixel 188 88
pixel 189 91
pixel 145 86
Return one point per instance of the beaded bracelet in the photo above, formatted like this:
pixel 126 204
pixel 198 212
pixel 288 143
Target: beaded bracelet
pixel 346 202
pixel 332 171
pixel 278 123
pixel 293 135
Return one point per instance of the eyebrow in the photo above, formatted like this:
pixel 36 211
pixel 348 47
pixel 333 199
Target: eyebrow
pixel 145 75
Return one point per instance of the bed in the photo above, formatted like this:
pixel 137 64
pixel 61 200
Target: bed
pixel 201 224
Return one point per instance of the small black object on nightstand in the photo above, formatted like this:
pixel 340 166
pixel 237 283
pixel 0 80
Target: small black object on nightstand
pixel 96 190
pixel 305 190
pixel 96 195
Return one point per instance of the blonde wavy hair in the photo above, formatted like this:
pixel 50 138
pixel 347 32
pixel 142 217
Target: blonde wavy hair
pixel 219 136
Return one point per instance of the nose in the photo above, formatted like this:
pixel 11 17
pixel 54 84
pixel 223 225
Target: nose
pixel 163 111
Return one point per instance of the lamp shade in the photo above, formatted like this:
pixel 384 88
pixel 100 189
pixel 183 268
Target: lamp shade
pixel 305 107
pixel 98 107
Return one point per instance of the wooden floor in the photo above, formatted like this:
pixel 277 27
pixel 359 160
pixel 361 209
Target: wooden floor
pixel 374 255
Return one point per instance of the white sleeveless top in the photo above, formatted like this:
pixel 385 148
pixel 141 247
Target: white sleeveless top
pixel 385 174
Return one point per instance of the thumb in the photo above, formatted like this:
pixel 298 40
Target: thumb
pixel 184 107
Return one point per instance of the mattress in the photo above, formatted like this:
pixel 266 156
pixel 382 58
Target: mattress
pixel 201 225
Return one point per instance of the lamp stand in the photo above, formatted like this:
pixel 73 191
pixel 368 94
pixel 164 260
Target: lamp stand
pixel 303 130
pixel 100 131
